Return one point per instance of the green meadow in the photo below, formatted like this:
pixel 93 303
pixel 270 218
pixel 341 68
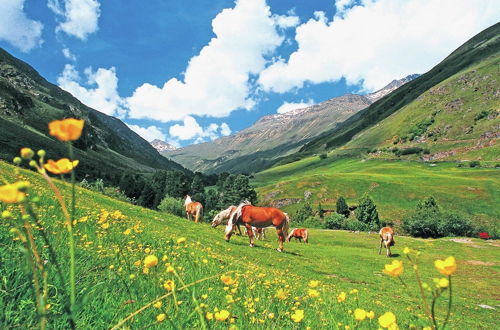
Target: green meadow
pixel 395 186
pixel 264 288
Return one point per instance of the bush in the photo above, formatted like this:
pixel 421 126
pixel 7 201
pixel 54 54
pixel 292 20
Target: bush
pixel 323 156
pixel 303 213
pixel 455 224
pixel 367 212
pixel 312 222
pixel 173 206
pixel 421 224
pixel 475 163
pixel 334 221
pixel 409 151
pixel 341 207
pixel 355 225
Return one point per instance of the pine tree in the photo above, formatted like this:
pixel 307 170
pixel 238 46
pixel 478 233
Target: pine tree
pixel 341 207
pixel 197 189
pixel 321 212
pixel 367 212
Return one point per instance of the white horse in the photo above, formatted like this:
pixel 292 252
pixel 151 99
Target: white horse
pixel 223 215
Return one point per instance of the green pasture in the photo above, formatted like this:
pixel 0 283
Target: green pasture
pixel 110 285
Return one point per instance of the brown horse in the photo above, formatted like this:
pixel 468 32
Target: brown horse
pixel 259 217
pixel 194 209
pixel 387 238
pixel 299 234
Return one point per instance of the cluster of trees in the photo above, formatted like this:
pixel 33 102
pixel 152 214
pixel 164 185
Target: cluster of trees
pixel 366 216
pixel 215 192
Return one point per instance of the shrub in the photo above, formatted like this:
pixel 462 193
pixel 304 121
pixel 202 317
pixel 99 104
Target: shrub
pixel 341 207
pixel 334 221
pixel 422 224
pixel 409 151
pixel 303 213
pixel 481 115
pixel 172 205
pixel 323 156
pixel 455 224
pixel 355 225
pixel 475 163
pixel 312 222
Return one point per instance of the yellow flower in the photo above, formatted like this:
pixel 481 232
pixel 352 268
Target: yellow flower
pixel 370 315
pixel 105 225
pixel 209 316
pixel 387 320
pixel 353 291
pixel 270 315
pixel 160 317
pixel 131 276
pixel 181 240
pixel 341 297
pixel 222 315
pixel 443 283
pixel 157 304
pixel 281 294
pixel 62 166
pixel 427 328
pixel 227 280
pixel 313 284
pixel 298 316
pixel 313 293
pixel 13 193
pixel 66 130
pixel 127 232
pixel 359 314
pixel 137 263
pixel 170 269
pixel 446 267
pixel 394 269
pixel 169 285
pixel 27 153
pixel 204 296
pixel 406 250
pixel 150 261
pixel 145 270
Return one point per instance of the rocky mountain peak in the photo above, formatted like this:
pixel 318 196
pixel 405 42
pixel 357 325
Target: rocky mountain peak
pixel 393 85
pixel 162 145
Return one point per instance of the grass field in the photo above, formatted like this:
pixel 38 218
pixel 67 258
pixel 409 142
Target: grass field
pixel 395 186
pixel 113 238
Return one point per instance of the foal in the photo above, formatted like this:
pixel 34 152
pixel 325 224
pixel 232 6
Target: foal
pixel 387 238
pixel 299 234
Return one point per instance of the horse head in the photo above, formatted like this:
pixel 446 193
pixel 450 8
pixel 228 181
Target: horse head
pixel 188 200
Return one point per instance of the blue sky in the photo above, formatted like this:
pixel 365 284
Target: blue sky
pixel 192 71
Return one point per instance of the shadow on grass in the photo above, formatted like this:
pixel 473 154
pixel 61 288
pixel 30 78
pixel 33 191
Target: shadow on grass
pixel 395 255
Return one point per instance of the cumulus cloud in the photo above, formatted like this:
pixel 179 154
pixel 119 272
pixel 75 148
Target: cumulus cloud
pixel 341 6
pixel 16 28
pixel 148 133
pixel 190 129
pixel 80 17
pixel 289 106
pixel 104 97
pixel 286 21
pixel 378 41
pixel 217 80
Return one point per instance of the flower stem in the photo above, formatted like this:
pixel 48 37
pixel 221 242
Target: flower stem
pixel 449 303
pixel 71 238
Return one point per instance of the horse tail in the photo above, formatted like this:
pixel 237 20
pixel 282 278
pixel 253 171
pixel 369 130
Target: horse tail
pixel 391 239
pixel 286 225
pixel 199 212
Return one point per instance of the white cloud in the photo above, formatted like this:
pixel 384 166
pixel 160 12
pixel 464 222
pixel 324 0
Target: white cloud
pixel 148 133
pixel 16 28
pixel 216 81
pixel 289 106
pixel 68 54
pixel 378 41
pixel 190 129
pixel 341 6
pixel 225 130
pixel 103 98
pixel 286 21
pixel 80 16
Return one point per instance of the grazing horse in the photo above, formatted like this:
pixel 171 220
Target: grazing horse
pixel 194 209
pixel 225 214
pixel 259 217
pixel 387 238
pixel 299 234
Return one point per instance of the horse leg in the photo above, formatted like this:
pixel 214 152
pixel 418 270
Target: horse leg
pixel 388 249
pixel 239 229
pixel 250 234
pixel 281 238
pixel 380 248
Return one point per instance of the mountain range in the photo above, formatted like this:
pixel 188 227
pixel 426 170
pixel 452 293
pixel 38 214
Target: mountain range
pixel 275 136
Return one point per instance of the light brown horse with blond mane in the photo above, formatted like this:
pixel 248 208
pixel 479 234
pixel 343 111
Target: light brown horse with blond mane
pixel 259 217
pixel 386 238
pixel 193 209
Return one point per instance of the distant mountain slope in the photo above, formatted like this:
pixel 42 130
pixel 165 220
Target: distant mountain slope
pixel 28 102
pixel 161 145
pixel 274 136
pixel 477 49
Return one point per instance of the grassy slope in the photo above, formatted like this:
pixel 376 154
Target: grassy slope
pixel 340 260
pixel 395 186
pixel 454 105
